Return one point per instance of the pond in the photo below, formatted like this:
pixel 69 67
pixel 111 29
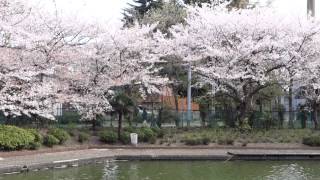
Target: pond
pixel 181 170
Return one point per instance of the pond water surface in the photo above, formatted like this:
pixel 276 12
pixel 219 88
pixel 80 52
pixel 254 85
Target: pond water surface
pixel 181 170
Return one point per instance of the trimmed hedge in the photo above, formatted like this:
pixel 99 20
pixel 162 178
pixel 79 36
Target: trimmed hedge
pixel 60 134
pixel 14 138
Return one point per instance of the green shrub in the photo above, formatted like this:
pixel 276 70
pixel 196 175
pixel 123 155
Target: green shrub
pixel 83 137
pixel 225 141
pixel 71 128
pixel 125 138
pixel 14 138
pixel 158 132
pixel 192 140
pixel 37 136
pixel 34 145
pixel 129 129
pixel 145 134
pixel 152 140
pixel 109 137
pixel 60 134
pixel 50 140
pixel 311 141
pixel 206 140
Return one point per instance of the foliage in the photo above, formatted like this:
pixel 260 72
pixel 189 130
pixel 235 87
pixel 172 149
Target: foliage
pixel 34 145
pixel 227 136
pixel 125 138
pixel 83 137
pixel 145 134
pixel 225 141
pixel 171 13
pixel 123 105
pixel 60 134
pixel 245 126
pixel 159 132
pixel 50 140
pixel 71 128
pixel 137 11
pixel 109 137
pixel 37 135
pixel 196 140
pixel 14 138
pixel 311 141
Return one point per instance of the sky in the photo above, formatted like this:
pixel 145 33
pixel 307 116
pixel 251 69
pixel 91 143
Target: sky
pixel 110 11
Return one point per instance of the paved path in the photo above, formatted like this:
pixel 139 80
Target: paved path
pixel 70 158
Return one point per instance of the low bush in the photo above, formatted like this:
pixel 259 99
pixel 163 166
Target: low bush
pixel 206 140
pixel 158 132
pixel 225 141
pixel 311 141
pixel 152 140
pixel 83 137
pixel 145 134
pixel 125 138
pixel 50 140
pixel 60 134
pixel 14 138
pixel 109 137
pixel 192 140
pixel 129 129
pixel 37 136
pixel 34 145
pixel 71 128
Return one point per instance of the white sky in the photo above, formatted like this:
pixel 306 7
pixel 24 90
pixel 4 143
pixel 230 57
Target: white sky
pixel 109 11
pixel 106 11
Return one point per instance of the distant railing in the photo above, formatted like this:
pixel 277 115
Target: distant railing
pixel 172 118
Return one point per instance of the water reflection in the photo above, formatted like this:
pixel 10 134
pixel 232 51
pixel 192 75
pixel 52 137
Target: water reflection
pixel 182 170
pixel 290 172
pixel 110 170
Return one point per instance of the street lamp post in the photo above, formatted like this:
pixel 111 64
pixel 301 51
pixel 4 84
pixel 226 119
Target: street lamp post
pixel 311 10
pixel 189 108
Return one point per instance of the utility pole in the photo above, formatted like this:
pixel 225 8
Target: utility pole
pixel 189 117
pixel 311 10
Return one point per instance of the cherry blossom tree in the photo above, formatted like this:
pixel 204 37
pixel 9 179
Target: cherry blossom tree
pixel 35 49
pixel 114 60
pixel 309 86
pixel 49 58
pixel 242 52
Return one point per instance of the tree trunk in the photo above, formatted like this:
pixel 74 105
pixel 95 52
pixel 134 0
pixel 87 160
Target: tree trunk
pixel 315 115
pixel 242 112
pixel 94 124
pixel 119 126
pixel 291 116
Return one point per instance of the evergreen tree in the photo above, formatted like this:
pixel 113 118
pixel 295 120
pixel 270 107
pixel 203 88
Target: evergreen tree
pixel 137 10
pixel 233 3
